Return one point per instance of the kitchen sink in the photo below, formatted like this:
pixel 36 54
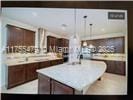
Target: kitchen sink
pixel 41 59
pixel 21 61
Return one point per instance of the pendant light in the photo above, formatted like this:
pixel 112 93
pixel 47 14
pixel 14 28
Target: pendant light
pixel 90 45
pixel 75 25
pixel 84 42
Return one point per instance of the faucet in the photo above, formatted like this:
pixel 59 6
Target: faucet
pixel 26 58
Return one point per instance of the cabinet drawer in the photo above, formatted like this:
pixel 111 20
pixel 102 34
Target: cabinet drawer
pixel 110 66
pixel 16 75
pixel 31 71
pixel 44 64
pixel 53 62
pixel 60 61
pixel 115 67
pixel 56 62
pixel 58 88
pixel 43 84
pixel 120 68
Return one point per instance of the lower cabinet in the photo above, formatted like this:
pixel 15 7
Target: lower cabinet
pixel 56 62
pixel 44 85
pixel 59 88
pixel 50 86
pixel 120 68
pixel 60 61
pixel 16 75
pixel 115 67
pixel 31 73
pixel 44 64
pixel 110 66
pixel 20 74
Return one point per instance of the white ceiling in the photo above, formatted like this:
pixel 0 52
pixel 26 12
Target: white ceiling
pixel 52 19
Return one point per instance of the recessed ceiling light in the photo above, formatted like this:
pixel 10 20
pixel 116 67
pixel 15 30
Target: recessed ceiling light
pixel 34 14
pixel 63 26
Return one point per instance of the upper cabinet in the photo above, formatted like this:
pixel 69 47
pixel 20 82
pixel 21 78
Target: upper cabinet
pixel 20 37
pixel 15 36
pixel 117 42
pixel 63 42
pixel 54 43
pixel 29 38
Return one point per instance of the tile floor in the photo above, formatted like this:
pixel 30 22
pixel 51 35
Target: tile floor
pixel 110 84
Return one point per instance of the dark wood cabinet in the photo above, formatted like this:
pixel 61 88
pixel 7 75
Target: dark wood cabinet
pixel 56 42
pixel 44 64
pixel 66 43
pixel 51 44
pixel 60 61
pixel 56 62
pixel 120 68
pixel 117 42
pixel 16 75
pixel 17 36
pixel 59 88
pixel 20 74
pixel 31 73
pixel 62 42
pixel 50 86
pixel 14 38
pixel 110 66
pixel 44 85
pixel 115 67
pixel 29 38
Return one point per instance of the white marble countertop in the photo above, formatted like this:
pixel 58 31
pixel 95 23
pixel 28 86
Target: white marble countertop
pixel 110 58
pixel 31 60
pixel 79 76
pixel 113 57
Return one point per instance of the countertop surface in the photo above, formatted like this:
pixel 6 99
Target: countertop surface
pixel 30 60
pixel 109 58
pixel 112 57
pixel 78 76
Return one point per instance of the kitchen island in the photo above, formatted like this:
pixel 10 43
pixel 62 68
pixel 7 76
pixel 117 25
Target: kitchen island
pixel 69 79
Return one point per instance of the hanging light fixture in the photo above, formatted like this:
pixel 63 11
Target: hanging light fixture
pixel 91 45
pixel 75 25
pixel 84 42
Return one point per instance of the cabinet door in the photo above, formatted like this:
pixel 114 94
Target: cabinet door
pixel 15 37
pixel 44 64
pixel 60 61
pixel 58 88
pixel 119 44
pixel 50 43
pixel 120 68
pixel 31 71
pixel 16 75
pixel 60 42
pixel 56 62
pixel 29 38
pixel 111 66
pixel 43 84
pixel 53 62
pixel 66 42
